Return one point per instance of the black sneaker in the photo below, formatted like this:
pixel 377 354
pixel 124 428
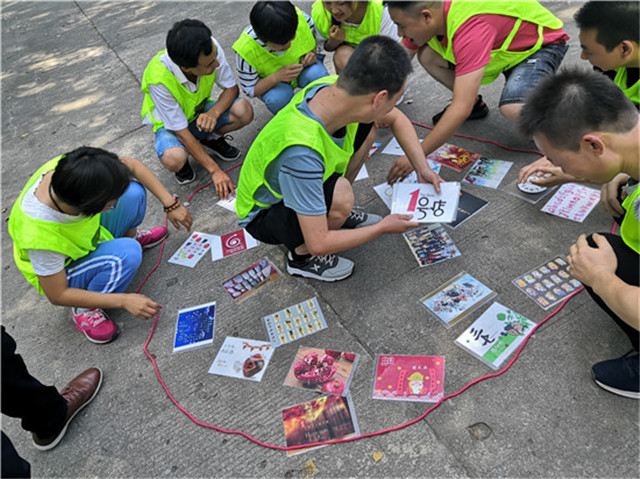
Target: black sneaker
pixel 358 219
pixel 222 149
pixel 480 110
pixel 619 376
pixel 186 175
pixel 324 268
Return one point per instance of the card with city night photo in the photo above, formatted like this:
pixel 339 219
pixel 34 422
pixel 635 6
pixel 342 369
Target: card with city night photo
pixel 409 378
pixel 322 370
pixel 549 284
pixel 249 281
pixel 194 327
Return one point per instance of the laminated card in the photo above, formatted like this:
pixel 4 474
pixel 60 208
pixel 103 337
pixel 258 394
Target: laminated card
pixel 422 201
pixel 295 322
pixel 431 244
pixel 247 282
pixel 573 202
pixel 487 172
pixel 409 378
pixel 549 284
pixel 194 327
pixel 242 358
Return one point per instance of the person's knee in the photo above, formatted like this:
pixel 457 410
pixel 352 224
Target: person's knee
pixel 341 57
pixel 130 253
pixel 511 111
pixel 342 202
pixel 241 113
pixel 278 97
pixel 174 158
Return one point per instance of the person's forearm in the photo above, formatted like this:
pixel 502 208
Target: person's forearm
pixel 146 177
pixel 265 84
pixel 330 45
pixel 81 298
pixel 225 100
pixel 335 241
pixel 622 298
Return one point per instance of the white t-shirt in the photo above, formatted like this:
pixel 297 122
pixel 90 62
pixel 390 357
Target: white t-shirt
pixel 45 262
pixel 167 108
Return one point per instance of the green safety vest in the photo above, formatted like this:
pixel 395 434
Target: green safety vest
pixel 265 62
pixel 501 59
pixel 353 35
pixel 74 240
pixel 632 92
pixel 192 103
pixel 288 128
pixel 630 227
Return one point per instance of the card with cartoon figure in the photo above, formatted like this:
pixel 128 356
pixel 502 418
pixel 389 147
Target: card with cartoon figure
pixel 295 322
pixel 487 172
pixel 457 298
pixel 453 157
pixel 424 203
pixel 242 358
pixel 431 244
pixel 194 327
pixel 409 378
pixel 250 280
pixel 549 284
pixel 322 370
pixel 495 335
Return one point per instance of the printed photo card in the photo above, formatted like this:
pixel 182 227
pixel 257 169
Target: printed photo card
pixel 409 378
pixel 431 244
pixel 549 284
pixel 194 327
pixel 295 322
pixel 242 358
pixel 250 280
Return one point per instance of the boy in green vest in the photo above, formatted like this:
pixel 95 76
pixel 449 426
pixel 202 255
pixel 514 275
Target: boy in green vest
pixel 609 38
pixel 75 235
pixel 467 44
pixel 178 86
pixel 277 53
pixel 601 143
pixel 294 186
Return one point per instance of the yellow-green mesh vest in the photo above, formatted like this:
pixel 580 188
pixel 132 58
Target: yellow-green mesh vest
pixel 288 128
pixel 266 63
pixel 157 74
pixel 353 35
pixel 632 92
pixel 74 240
pixel 630 227
pixel 501 59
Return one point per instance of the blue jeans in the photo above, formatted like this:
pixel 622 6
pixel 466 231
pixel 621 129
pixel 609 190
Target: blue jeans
pixel 166 139
pixel 111 266
pixel 526 74
pixel 280 95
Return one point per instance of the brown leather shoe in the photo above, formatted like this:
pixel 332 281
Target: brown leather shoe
pixel 78 393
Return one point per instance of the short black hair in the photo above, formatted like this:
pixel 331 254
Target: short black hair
pixel 413 8
pixel 88 178
pixel 274 22
pixel 186 41
pixel 614 21
pixel 378 63
pixel 565 106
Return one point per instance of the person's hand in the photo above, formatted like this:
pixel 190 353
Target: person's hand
pixel 396 223
pixel 180 216
pixel 140 306
pixel 400 169
pixel 609 195
pixel 544 173
pixel 288 73
pixel 223 184
pixel 587 264
pixel 207 121
pixel 308 59
pixel 337 34
pixel 427 175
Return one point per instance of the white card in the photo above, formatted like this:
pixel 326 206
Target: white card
pixel 393 148
pixel 193 249
pixel 362 174
pixel 242 358
pixel 231 244
pixel 573 202
pixel 228 204
pixel 422 201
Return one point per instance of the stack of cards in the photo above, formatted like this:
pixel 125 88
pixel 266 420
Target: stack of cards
pixel 409 378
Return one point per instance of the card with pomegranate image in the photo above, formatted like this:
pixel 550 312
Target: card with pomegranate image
pixel 295 322
pixel 242 358
pixel 322 370
pixel 323 419
pixel 409 378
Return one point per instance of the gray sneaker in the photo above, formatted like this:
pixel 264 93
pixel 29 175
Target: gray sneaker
pixel 324 268
pixel 359 219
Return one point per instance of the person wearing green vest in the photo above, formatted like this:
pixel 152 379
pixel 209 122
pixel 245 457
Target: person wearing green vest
pixel 464 45
pixel 76 238
pixel 277 53
pixel 601 143
pixel 295 184
pixel 609 39
pixel 345 24
pixel 178 87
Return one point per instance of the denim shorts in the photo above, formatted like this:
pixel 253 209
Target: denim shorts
pixel 526 74
pixel 166 139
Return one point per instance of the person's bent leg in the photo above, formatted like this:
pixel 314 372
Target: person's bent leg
pixel 341 57
pixel 128 213
pixel 341 205
pixel 312 73
pixel 365 136
pixel 437 67
pixel 240 114
pixel 277 97
pixel 171 152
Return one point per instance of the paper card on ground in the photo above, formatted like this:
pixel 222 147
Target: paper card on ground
pixel 533 198
pixel 393 148
pixel 374 148
pixel 385 190
pixel 322 370
pixel 487 172
pixel 362 174
pixel 549 284
pixel 242 358
pixel 193 249
pixel 409 378
pixel 232 243
pixel 323 419
pixel 573 202
pixel 248 281
pixel 468 205
pixel 422 201
pixel 295 322
pixel 431 244
pixel 228 204
pixel 194 327
pixel 453 157
pixel 457 298
pixel 495 335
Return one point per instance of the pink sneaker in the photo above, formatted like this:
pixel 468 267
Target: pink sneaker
pixel 150 238
pixel 96 326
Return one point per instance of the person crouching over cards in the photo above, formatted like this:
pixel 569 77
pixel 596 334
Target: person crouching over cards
pixel 295 184
pixel 600 144
pixel 75 237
